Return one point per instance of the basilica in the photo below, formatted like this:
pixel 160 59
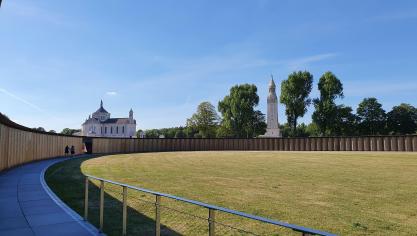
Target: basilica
pixel 99 124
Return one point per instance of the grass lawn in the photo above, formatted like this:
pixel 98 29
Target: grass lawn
pixel 347 193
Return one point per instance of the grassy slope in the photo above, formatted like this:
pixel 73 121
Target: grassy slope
pixel 346 193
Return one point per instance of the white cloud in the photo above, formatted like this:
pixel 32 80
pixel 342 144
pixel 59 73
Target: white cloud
pixel 14 96
pixel 111 93
pixel 211 66
pixel 304 61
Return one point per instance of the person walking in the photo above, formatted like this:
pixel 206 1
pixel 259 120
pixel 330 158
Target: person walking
pixel 66 150
pixel 72 150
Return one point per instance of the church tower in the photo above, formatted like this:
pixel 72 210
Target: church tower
pixel 272 128
pixel 131 115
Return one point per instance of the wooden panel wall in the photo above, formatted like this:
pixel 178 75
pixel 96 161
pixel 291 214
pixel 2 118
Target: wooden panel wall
pixel 377 143
pixel 19 146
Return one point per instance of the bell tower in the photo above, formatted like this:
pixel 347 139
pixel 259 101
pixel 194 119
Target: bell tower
pixel 272 128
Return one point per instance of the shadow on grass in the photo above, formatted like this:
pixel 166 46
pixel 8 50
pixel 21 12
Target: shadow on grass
pixel 67 181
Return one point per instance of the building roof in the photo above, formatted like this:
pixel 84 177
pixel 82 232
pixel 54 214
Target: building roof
pixel 101 109
pixel 120 121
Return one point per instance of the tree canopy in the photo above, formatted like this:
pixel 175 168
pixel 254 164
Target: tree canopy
pixel 402 119
pixel 240 119
pixel 295 93
pixel 69 131
pixel 205 120
pixel 326 111
pixel 371 117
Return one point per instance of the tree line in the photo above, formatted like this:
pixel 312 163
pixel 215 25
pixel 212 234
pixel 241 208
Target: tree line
pixel 240 118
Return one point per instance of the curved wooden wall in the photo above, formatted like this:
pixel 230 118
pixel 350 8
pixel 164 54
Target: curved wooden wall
pixel 21 145
pixel 373 143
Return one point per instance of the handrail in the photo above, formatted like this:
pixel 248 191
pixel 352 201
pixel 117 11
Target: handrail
pixel 297 228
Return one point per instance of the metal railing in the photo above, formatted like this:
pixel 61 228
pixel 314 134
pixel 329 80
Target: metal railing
pixel 211 222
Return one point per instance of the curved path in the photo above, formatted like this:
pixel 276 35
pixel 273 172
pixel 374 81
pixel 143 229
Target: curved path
pixel 29 207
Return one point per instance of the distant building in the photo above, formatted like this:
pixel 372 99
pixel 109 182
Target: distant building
pixel 272 128
pixel 99 124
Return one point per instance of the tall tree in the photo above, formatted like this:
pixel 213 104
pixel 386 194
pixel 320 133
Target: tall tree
pixel 402 119
pixel 240 119
pixel 372 118
pixel 205 120
pixel 345 122
pixel 295 93
pixel 325 114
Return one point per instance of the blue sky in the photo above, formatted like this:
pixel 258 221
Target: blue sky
pixel 162 58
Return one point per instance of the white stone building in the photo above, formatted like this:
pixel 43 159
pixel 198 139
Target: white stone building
pixel 272 125
pixel 99 124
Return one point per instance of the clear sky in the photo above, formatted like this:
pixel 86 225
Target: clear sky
pixel 162 58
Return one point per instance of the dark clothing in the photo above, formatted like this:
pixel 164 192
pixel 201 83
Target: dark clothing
pixel 66 150
pixel 72 150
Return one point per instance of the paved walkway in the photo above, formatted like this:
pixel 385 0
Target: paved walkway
pixel 28 206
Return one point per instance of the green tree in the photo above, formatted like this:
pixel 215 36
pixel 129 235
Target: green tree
pixel 372 118
pixel 402 119
pixel 152 133
pixel 240 119
pixel 312 129
pixel 286 130
pixel 205 120
pixel 40 129
pixel 69 131
pixel 179 133
pixel 345 122
pixel 325 114
pixel 295 93
pixel 189 132
pixel 52 131
pixel 138 133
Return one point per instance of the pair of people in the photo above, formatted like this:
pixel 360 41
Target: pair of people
pixel 68 149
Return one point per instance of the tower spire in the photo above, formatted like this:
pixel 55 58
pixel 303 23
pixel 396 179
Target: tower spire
pixel 101 103
pixel 272 82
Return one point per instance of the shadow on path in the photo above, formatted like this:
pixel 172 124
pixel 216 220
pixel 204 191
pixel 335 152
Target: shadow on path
pixel 67 181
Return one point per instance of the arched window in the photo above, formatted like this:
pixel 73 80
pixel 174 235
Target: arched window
pixel 123 129
pixel 111 129
pixel 117 129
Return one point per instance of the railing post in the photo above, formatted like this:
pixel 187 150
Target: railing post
pixel 158 216
pixel 86 199
pixel 211 220
pixel 124 209
pixel 101 204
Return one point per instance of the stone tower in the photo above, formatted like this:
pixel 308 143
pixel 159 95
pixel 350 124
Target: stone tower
pixel 272 129
pixel 131 114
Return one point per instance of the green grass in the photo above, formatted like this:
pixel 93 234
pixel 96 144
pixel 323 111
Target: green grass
pixel 348 193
